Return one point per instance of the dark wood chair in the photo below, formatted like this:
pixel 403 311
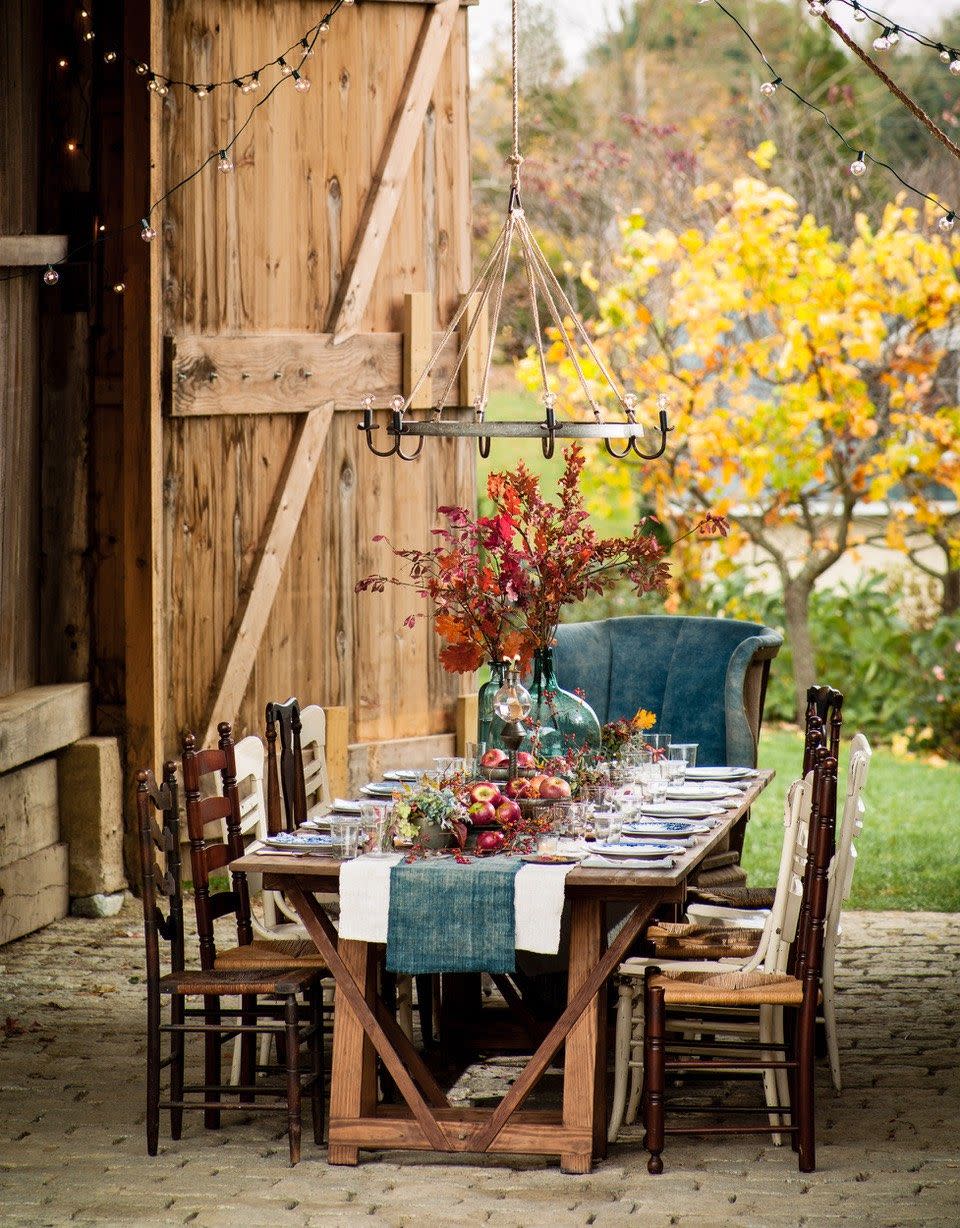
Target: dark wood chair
pixel 215 1022
pixel 797 992
pixel 285 780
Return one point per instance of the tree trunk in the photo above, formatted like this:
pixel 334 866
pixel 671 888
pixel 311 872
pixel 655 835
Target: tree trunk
pixel 796 602
pixel 950 601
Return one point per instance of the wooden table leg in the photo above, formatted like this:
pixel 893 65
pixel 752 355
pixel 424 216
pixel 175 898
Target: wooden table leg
pixel 582 1044
pixel 353 1077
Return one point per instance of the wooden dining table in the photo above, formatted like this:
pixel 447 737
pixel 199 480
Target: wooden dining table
pixel 365 1027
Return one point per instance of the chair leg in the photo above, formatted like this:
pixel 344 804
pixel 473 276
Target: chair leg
pixel 425 1009
pixel 830 1025
pixel 782 1076
pixel 248 1046
pixel 292 1033
pixel 770 1076
pixel 638 1057
pixel 405 1005
pixel 177 1008
pixel 654 1075
pixel 317 1087
pixel 804 1116
pixel 153 1071
pixel 263 1050
pixel 621 1058
pixel 211 1060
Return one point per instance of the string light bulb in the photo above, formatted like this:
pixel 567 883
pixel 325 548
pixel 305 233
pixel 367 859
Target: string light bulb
pixel 109 57
pixel 252 83
pixel 224 164
pixel 142 69
pixel 61 63
pixel 147 233
pixel 955 64
pixel 71 146
pixel 89 36
pixel 307 49
pixel 858 13
pixel 893 37
pixel 285 69
pixel 881 42
pixel 859 166
pixel 50 276
pixel 947 222
pixel 769 88
pixel 945 56
pixel 324 26
pixel 118 287
pixel 302 84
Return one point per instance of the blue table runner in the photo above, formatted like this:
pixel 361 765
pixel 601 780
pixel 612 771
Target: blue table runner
pixel 449 917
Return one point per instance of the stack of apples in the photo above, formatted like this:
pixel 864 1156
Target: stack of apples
pixel 488 806
pixel 531 786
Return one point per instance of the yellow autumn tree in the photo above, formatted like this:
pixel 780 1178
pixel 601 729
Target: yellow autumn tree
pixel 804 374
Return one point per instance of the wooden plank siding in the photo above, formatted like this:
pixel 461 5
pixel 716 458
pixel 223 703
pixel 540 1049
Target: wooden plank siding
pixel 261 254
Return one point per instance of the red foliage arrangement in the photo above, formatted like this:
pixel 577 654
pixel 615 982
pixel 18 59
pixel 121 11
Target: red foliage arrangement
pixel 497 583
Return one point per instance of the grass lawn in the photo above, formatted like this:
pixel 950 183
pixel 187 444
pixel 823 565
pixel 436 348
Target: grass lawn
pixel 909 852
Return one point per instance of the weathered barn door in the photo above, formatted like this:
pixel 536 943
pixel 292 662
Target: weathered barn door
pixel 284 299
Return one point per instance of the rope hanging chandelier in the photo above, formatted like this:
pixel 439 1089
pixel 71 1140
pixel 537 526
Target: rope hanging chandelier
pixel 543 289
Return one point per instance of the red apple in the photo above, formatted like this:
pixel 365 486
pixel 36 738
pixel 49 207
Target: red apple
pixel 494 758
pixel 483 791
pixel 517 788
pixel 508 813
pixel 534 785
pixel 490 842
pixel 482 812
pixel 525 759
pixel 554 788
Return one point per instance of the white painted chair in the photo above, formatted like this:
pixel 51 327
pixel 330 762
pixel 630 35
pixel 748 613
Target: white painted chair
pixel 841 872
pixel 313 742
pixel 842 867
pixel 771 954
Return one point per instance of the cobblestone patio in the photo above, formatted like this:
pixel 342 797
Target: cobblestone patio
pixel 72 1142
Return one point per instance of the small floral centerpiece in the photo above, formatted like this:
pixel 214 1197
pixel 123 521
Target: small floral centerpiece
pixel 430 816
pixel 615 735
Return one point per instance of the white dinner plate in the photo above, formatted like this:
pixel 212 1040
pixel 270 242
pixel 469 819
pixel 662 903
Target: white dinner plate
pixel 647 850
pixel 379 790
pixel 680 810
pixel 677 828
pixel 406 775
pixel 342 805
pixel 702 793
pixel 720 773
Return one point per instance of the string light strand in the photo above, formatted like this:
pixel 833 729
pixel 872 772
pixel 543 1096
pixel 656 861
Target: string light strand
pixel 148 232
pixel 862 157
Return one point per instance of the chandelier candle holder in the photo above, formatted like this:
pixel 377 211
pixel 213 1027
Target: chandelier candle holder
pixel 547 299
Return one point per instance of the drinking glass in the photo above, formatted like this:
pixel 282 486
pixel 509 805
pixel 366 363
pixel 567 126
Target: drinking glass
pixel 444 766
pixel 657 741
pixel 345 830
pixel 578 816
pixel 374 818
pixel 548 843
pixel 676 766
pixel 471 760
pixel 688 751
pixel 608 826
pixel 655 789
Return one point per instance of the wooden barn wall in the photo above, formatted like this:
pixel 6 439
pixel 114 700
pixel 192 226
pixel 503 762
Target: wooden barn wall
pixel 262 251
pixel 19 392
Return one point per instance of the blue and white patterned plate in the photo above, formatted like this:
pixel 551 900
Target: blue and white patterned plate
pixel 299 840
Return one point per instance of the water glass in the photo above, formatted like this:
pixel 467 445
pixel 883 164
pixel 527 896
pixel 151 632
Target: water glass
pixel 471 760
pixel 444 767
pixel 676 766
pixel 345 830
pixel 658 742
pixel 374 817
pixel 608 826
pixel 688 751
pixel 548 843
pixel 655 789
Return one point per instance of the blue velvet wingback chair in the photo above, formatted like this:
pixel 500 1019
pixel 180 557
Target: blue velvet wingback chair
pixel 705 678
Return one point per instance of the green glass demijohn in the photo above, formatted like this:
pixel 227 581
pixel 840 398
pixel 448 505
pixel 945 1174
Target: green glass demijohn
pixel 561 720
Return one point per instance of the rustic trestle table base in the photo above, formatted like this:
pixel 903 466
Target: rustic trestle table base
pixel 365 1028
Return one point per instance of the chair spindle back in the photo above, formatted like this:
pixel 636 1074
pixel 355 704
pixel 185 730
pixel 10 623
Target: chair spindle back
pixel 285 718
pixel 160 878
pixel 207 856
